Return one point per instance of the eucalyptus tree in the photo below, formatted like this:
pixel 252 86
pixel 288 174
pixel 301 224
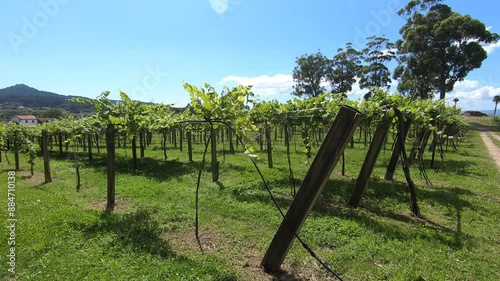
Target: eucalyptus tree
pixel 375 73
pixel 438 47
pixel 309 74
pixel 343 69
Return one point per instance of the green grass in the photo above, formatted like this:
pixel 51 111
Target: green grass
pixel 65 235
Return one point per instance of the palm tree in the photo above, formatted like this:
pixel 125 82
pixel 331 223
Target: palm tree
pixel 496 100
pixel 455 100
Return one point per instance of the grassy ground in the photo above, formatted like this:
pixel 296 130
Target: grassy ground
pixel 65 235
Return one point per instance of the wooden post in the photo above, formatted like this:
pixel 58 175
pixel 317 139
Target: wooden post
pixel 110 147
pixel 422 139
pixel 322 166
pixel 215 163
pixel 174 137
pixel 46 161
pixel 164 141
pixel 190 145
pixel 96 137
pixel 134 152
pixel 141 144
pixel 261 142
pixel 369 162
pixel 89 141
pixel 60 144
pixel 389 174
pixel 180 139
pixel 84 143
pixel 231 145
pixel 269 146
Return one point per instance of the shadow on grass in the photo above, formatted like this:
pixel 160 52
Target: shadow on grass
pixel 374 215
pixel 138 230
pixel 484 128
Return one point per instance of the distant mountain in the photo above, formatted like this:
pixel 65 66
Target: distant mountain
pixel 25 96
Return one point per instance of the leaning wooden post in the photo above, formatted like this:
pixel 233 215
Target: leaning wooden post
pixel 369 163
pixel 46 161
pixel 389 174
pixel 110 147
pixel 322 166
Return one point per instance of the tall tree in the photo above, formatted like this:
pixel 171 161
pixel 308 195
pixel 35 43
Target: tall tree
pixel 343 69
pixel 439 47
pixel 496 100
pixel 309 74
pixel 413 78
pixel 375 74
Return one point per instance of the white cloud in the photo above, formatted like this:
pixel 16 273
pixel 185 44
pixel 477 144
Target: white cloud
pixel 281 84
pixel 265 85
pixel 490 47
pixel 473 95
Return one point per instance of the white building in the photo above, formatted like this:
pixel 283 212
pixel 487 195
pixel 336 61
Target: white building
pixel 25 120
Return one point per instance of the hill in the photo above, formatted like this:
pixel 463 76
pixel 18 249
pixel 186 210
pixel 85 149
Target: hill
pixel 23 95
pixel 22 99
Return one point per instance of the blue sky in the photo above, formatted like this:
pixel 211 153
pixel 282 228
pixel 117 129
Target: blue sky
pixel 148 48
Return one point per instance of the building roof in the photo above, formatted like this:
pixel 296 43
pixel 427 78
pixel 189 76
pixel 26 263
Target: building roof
pixel 26 117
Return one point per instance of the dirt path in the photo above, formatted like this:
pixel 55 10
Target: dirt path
pixel 487 137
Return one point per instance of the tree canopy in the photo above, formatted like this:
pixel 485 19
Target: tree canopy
pixel 309 73
pixel 375 74
pixel 343 69
pixel 438 48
